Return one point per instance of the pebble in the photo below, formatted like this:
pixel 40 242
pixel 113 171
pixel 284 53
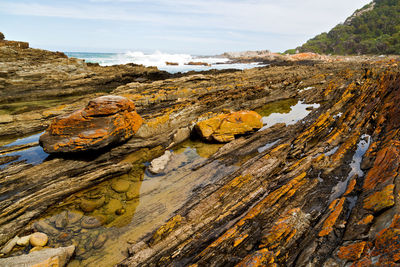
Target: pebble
pixel 132 193
pixel 100 240
pixel 38 239
pixel 90 222
pixel 43 226
pixel 89 205
pixel 120 185
pixel 120 211
pixel 61 220
pixel 74 216
pixel 158 165
pixel 24 241
pixel 112 206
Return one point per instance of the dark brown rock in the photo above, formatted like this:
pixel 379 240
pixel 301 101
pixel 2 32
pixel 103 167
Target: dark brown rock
pixel 105 120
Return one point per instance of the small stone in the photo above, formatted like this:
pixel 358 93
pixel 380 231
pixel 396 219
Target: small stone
pixel 61 220
pixel 158 165
pixel 89 205
pixel 90 222
pixel 120 211
pixel 112 206
pixel 38 239
pixel 74 216
pixel 100 240
pixel 120 185
pixel 64 236
pixel 132 193
pixel 43 226
pixel 23 241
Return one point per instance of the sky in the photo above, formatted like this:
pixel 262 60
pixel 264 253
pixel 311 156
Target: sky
pixel 199 27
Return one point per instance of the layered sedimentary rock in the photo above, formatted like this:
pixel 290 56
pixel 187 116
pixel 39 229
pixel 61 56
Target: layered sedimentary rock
pixel 104 121
pixel 301 200
pixel 37 85
pixel 223 128
pixel 325 194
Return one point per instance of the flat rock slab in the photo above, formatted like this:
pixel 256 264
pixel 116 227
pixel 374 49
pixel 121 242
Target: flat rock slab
pixel 44 257
pixel 224 127
pixel 105 120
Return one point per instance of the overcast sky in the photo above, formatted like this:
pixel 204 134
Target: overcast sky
pixel 186 26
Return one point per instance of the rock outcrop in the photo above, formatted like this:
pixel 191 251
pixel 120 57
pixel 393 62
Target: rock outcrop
pixel 37 85
pixel 300 200
pixel 46 257
pixel 106 120
pixel 195 63
pixel 223 128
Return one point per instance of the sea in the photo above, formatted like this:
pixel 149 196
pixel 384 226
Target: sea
pixel 159 59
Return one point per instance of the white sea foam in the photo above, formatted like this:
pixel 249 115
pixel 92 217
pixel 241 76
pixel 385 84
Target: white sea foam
pixel 160 59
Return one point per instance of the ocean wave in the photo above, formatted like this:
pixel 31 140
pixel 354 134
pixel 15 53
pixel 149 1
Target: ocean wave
pixel 159 59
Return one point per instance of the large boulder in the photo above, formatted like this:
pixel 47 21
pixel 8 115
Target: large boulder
pixel 104 121
pixel 224 127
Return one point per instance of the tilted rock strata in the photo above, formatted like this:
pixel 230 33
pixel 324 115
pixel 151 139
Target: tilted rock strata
pixel 175 104
pixel 300 202
pixel 224 127
pixel 106 120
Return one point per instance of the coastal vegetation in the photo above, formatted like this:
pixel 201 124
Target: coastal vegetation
pixel 374 29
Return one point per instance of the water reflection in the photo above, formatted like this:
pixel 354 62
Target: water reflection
pixel 285 111
pixel 103 220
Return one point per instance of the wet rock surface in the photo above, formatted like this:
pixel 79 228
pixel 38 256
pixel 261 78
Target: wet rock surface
pixel 104 121
pixel 321 190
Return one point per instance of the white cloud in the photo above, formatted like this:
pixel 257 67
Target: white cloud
pixel 201 21
pixel 283 17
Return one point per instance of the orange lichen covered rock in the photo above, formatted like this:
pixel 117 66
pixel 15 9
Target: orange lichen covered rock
pixel 224 127
pixel 385 166
pixel 262 257
pixel 336 207
pixel 105 120
pixel 380 200
pixel 352 252
pixel 387 245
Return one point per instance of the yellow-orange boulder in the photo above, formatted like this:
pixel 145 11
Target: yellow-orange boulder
pixel 224 127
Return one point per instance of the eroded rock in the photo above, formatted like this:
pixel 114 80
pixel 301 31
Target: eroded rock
pixel 106 120
pixel 224 127
pixel 44 257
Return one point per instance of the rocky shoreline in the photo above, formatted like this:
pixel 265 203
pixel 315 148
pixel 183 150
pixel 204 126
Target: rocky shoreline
pixel 321 191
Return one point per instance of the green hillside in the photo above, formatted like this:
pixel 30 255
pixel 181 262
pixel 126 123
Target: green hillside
pixel 374 29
